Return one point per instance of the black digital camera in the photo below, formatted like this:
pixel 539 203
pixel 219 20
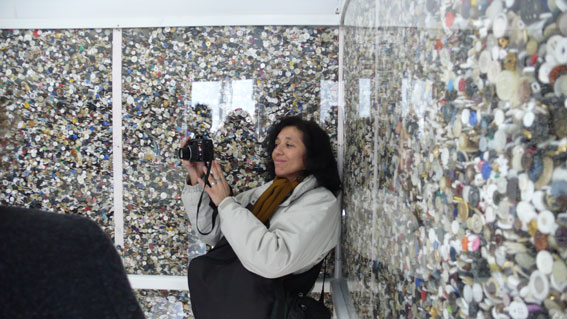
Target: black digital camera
pixel 197 150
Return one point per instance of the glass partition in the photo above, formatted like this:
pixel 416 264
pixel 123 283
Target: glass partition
pixel 465 212
pixel 227 83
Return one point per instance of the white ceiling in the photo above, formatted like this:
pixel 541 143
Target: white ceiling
pixel 152 13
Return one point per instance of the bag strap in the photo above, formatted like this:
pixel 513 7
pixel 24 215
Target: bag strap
pixel 215 210
pixel 321 298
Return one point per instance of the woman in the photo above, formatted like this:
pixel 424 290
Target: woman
pixel 286 226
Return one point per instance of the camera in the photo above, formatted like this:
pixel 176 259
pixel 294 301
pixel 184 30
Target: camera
pixel 197 150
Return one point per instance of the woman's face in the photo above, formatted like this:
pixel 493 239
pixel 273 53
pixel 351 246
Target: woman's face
pixel 289 153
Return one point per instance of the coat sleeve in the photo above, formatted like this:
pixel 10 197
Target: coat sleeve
pixel 190 197
pixel 299 235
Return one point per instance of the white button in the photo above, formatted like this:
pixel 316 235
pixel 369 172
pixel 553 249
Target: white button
pixel 544 262
pixel 484 61
pixel 560 86
pixel 518 310
pixel 499 141
pixel 499 25
pixel 455 227
pixel 445 156
pixel 526 213
pixel 482 143
pixel 559 275
pixel 523 181
pixel 528 191
pixel 537 200
pixel 502 184
pixel 552 44
pixel 457 128
pixel 561 4
pixel 507 85
pixel 477 292
pixel 517 153
pixel 488 193
pixel 560 51
pixel 528 119
pixel 493 71
pixel 468 293
pixel 465 115
pixel 489 214
pixel 538 285
pixel 546 222
pixel 562 23
pixel 543 73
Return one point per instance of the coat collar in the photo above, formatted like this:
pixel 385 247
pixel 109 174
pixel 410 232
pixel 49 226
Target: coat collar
pixel 308 183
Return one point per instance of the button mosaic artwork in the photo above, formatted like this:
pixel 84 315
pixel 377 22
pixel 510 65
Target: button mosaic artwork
pixel 247 77
pixel 468 147
pixel 55 87
pixel 164 304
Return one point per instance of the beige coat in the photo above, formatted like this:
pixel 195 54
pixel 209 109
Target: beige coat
pixel 302 230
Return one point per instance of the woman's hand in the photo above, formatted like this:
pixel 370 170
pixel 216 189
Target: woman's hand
pixel 195 169
pixel 218 189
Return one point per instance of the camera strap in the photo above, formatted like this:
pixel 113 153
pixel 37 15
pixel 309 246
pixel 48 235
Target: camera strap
pixel 215 210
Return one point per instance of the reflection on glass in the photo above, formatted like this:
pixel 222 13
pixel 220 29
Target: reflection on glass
pixel 364 97
pixel 329 98
pixel 223 97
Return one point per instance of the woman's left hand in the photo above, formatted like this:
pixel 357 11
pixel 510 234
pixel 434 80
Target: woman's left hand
pixel 218 189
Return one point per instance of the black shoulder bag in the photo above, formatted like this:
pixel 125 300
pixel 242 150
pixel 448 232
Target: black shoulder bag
pixel 292 301
pixel 221 288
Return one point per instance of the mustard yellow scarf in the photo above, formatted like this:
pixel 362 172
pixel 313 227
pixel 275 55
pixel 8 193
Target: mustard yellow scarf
pixel 273 197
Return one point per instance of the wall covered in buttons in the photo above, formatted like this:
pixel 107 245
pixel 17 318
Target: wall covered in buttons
pixel 459 111
pixel 56 86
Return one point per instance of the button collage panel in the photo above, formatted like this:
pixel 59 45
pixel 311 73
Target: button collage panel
pixel 468 211
pixel 56 93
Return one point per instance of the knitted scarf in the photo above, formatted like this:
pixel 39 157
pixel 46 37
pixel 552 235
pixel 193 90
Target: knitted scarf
pixel 273 197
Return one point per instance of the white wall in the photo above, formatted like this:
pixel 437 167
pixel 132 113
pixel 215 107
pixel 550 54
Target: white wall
pixel 150 13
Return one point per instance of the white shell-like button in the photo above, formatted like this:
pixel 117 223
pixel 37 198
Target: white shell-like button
pixel 543 73
pixel 544 262
pixel 477 292
pixel 499 117
pixel 468 293
pixel 465 115
pixel 484 61
pixel 518 310
pixel 528 119
pixel 455 227
pixel 517 154
pixel 494 69
pixel 559 275
pixel 537 200
pixel 499 25
pixel 546 222
pixel 526 213
pixel 538 285
pixel 507 84
pixel 560 51
pixel 489 215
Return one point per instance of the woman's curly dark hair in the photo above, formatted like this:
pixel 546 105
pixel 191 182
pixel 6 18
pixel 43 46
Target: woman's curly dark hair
pixel 319 158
